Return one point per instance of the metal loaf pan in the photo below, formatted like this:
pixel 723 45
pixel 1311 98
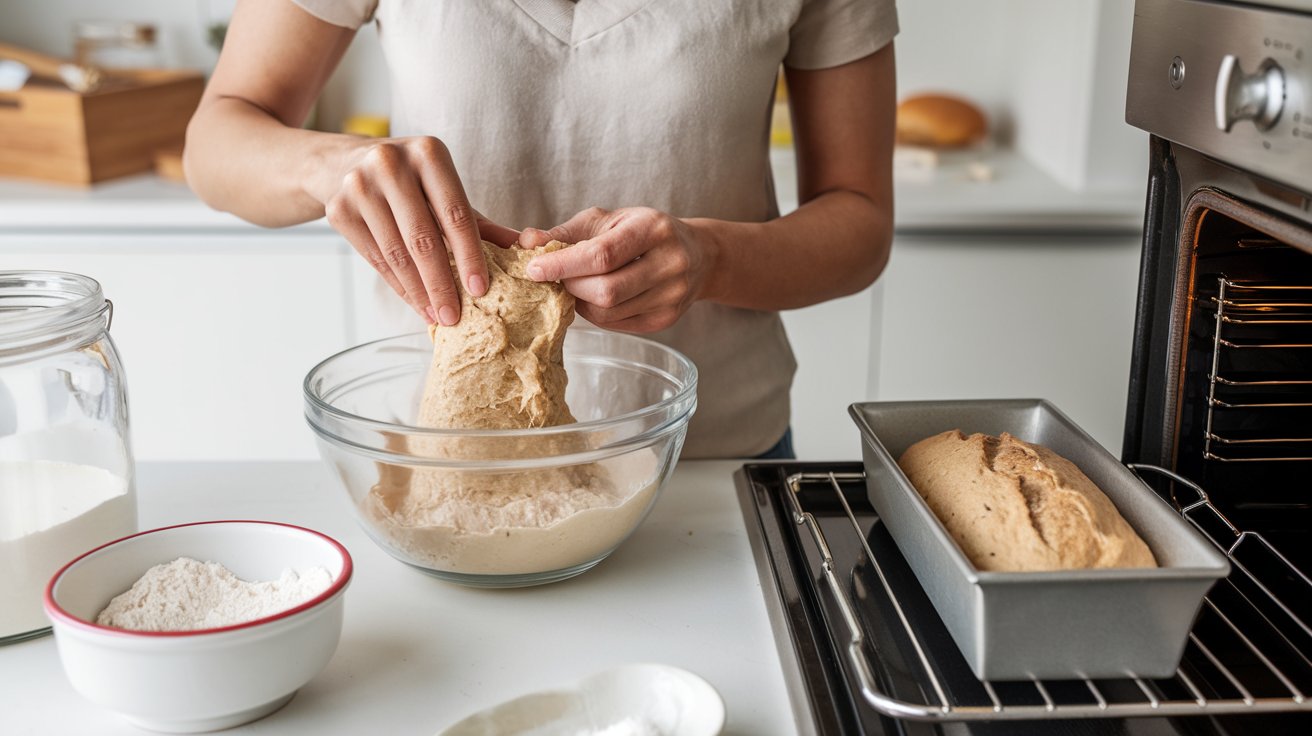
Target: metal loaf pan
pixel 1046 625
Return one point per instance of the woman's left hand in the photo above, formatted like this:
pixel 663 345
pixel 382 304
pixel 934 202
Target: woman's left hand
pixel 634 269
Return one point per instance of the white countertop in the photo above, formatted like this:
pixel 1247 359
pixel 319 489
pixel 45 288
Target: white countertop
pixel 417 654
pixel 139 202
pixel 1020 197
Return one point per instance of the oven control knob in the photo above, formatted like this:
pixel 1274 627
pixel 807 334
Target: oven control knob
pixel 1258 97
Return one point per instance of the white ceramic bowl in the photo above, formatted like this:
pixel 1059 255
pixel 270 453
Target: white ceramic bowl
pixel 632 697
pixel 190 681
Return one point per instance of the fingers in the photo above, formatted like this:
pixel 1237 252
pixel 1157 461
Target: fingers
pixel 606 252
pixel 414 222
pixel 531 237
pixel 644 318
pixel 346 220
pixel 403 208
pixel 495 233
pixel 643 288
pixel 344 213
pixel 454 215
pixel 583 225
pixel 378 216
pixel 649 301
pixel 613 289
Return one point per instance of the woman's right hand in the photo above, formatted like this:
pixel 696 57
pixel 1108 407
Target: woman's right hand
pixel 400 203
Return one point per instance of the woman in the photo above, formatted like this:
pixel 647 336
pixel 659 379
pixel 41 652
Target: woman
pixel 635 128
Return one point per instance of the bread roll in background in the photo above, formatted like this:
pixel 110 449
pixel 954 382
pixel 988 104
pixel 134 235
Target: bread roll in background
pixel 939 121
pixel 1014 506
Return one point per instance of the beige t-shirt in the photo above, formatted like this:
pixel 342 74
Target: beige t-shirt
pixel 551 106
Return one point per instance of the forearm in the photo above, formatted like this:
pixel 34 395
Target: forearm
pixel 240 159
pixel 833 245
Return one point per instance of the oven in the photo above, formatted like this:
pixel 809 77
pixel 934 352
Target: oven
pixel 1221 378
pixel 1219 423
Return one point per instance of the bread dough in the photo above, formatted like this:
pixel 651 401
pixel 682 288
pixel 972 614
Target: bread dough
pixel 502 367
pixel 1016 506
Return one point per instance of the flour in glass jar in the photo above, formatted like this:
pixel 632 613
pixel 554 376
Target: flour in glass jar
pixel 50 512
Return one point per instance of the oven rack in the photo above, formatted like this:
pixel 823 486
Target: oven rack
pixel 1268 313
pixel 1133 696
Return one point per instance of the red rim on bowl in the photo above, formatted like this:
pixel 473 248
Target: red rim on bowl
pixel 54 610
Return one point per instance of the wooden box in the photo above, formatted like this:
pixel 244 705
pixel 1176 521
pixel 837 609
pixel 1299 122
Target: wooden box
pixel 50 132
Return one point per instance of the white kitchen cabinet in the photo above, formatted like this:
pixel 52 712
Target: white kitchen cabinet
pixel 216 330
pixel 832 342
pixel 1049 316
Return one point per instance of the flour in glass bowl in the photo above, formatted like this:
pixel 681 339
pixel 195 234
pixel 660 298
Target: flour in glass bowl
pixel 513 523
pixel 51 512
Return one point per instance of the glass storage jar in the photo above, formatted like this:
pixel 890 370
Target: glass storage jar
pixel 66 480
pixel 115 44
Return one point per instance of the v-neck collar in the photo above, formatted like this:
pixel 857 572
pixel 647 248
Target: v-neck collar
pixel 572 24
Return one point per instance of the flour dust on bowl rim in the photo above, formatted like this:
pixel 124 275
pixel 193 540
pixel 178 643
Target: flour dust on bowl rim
pixel 206 679
pixel 503 508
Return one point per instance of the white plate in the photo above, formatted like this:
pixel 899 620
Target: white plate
pixel 630 700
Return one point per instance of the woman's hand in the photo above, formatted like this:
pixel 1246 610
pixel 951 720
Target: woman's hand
pixel 634 269
pixel 401 205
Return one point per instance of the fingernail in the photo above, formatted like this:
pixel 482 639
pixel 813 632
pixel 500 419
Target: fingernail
pixel 432 316
pixel 535 272
pixel 446 316
pixel 477 285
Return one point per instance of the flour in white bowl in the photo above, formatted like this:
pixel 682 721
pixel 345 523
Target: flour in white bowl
pixel 50 512
pixel 188 595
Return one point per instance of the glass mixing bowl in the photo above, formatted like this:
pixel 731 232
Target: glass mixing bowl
pixel 503 508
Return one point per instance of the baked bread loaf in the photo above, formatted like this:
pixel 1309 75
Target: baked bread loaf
pixel 939 121
pixel 1015 506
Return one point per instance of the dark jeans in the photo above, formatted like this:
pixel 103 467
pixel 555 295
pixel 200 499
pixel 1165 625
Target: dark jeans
pixel 782 450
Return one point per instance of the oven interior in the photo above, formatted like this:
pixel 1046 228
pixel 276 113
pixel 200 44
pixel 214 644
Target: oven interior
pixel 1244 399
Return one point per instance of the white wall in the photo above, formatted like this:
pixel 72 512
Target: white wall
pixel 1116 152
pixel 1051 75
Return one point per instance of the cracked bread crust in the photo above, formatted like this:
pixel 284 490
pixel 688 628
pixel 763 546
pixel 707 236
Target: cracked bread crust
pixel 1015 506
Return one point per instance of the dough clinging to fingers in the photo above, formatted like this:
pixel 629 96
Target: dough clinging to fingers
pixel 501 366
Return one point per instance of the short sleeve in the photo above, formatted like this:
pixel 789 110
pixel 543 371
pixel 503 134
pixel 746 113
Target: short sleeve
pixel 829 33
pixel 345 13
